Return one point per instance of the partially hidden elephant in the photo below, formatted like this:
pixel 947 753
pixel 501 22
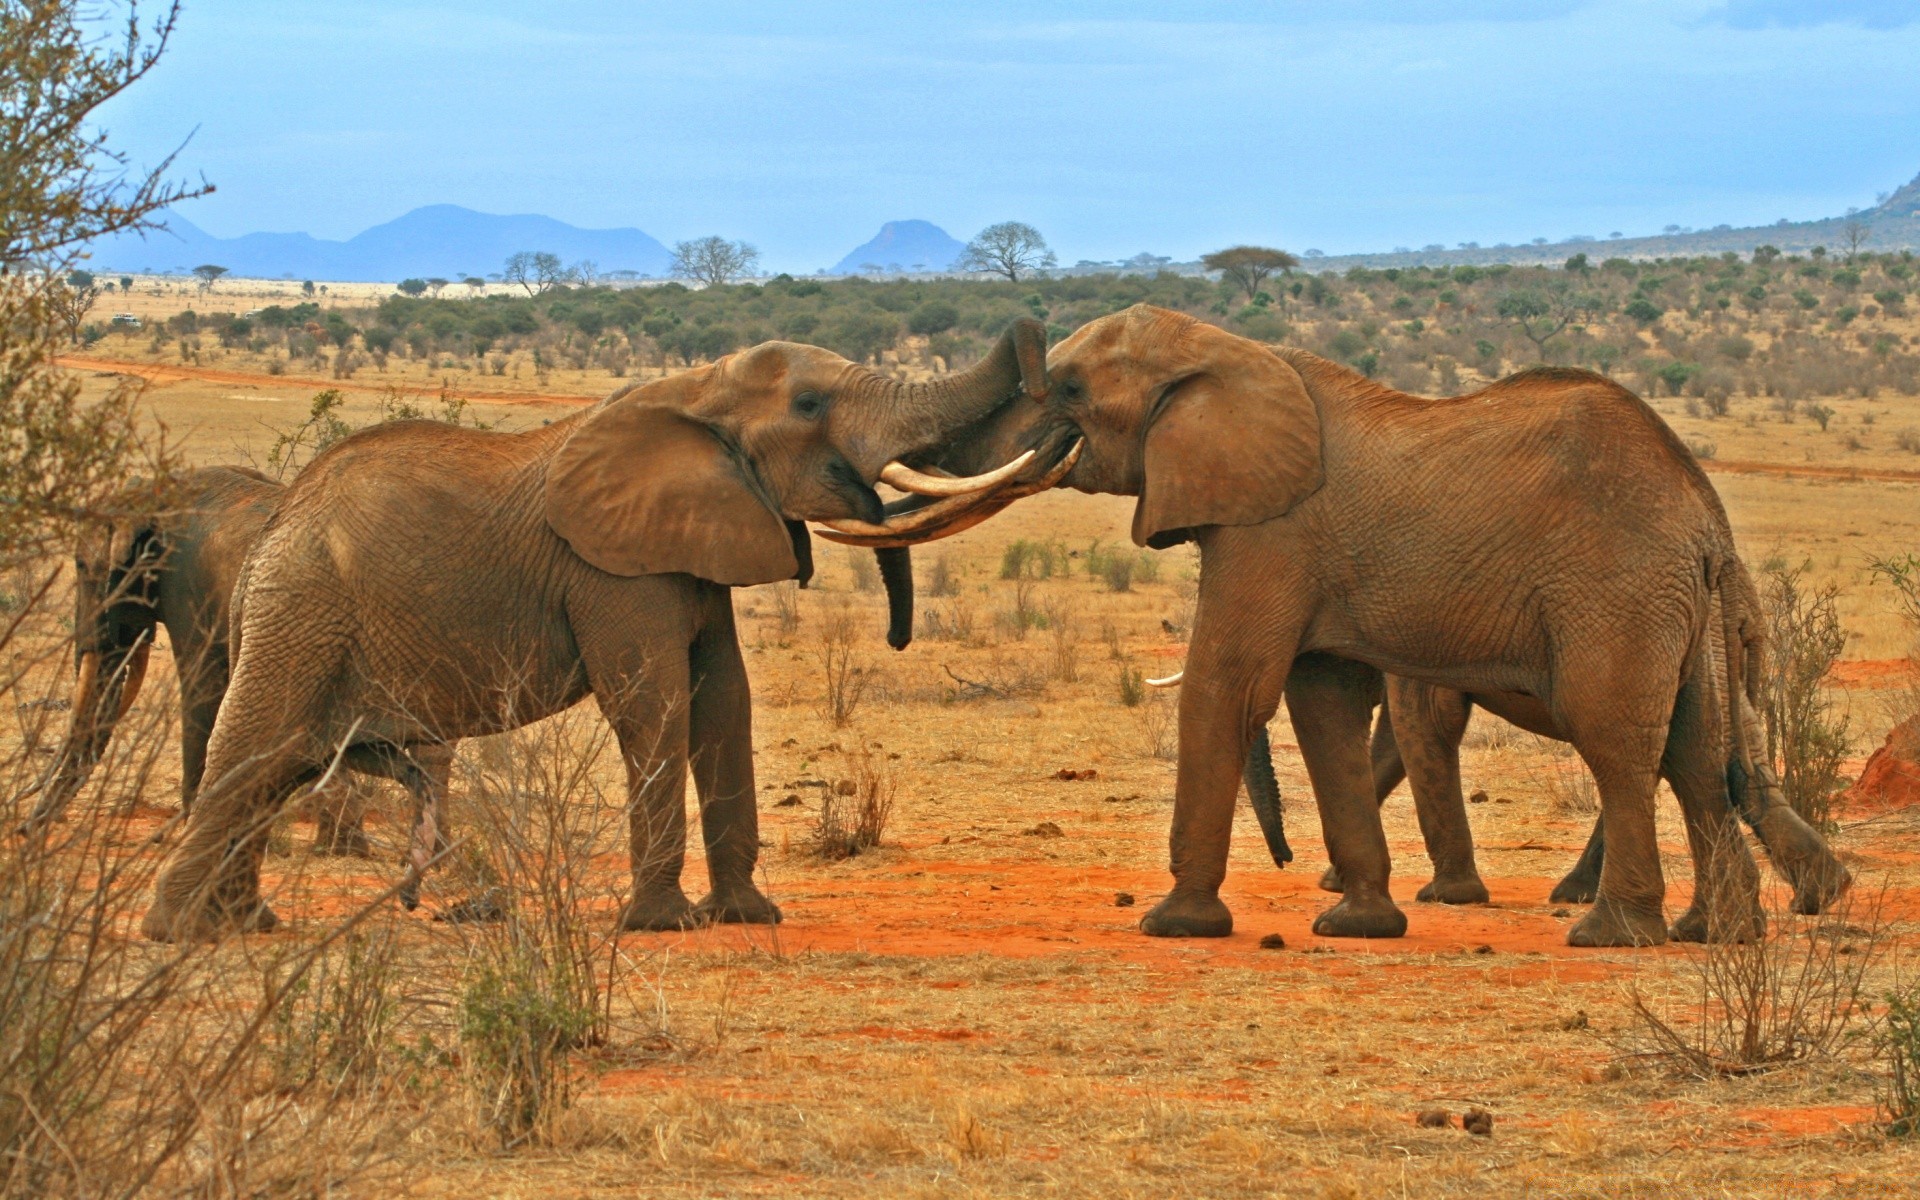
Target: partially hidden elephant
pixel 1433 722
pixel 1547 537
pixel 1417 737
pixel 172 565
pixel 421 583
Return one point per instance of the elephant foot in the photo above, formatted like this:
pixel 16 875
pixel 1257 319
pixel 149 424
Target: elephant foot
pixel 1330 881
pixel 1817 887
pixel 737 906
pixel 1188 914
pixel 1613 923
pixel 207 922
pixel 1695 925
pixel 1579 887
pixel 342 843
pixel 658 911
pixel 1454 889
pixel 1362 915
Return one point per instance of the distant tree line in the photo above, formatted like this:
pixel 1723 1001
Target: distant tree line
pixel 1674 326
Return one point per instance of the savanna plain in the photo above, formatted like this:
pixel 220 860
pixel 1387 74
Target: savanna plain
pixel 962 836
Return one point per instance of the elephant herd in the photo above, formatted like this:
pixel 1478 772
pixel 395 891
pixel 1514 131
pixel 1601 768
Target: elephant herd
pixel 1544 548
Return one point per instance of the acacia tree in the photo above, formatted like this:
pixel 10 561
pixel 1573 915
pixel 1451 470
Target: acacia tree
pixel 713 260
pixel 61 186
pixel 534 270
pixel 1854 233
pixel 1249 266
pixel 208 274
pixel 1010 248
pixel 1544 313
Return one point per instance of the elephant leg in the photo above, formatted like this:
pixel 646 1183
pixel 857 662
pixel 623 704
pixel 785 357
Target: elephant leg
pixel 1617 708
pixel 1430 723
pixel 1328 703
pixel 720 748
pixel 643 691
pixel 339 816
pixel 259 753
pixel 1582 883
pixel 1388 772
pixel 1726 886
pixel 211 882
pixel 1225 697
pixel 199 706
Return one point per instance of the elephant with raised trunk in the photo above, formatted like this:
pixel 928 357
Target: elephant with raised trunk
pixel 171 567
pixel 1546 537
pixel 421 583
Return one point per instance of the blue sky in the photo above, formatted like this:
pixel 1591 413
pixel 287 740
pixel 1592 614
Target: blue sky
pixel 1173 127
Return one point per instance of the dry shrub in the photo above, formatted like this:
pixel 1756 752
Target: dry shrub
pixel 846 675
pixel 949 622
pixel 536 927
pixel 866 572
pixel 785 599
pixel 854 812
pixel 1024 615
pixel 1133 686
pixel 941 579
pixel 1160 723
pixel 1897 1041
pixel 1063 629
pixel 1806 740
pixel 127 1067
pixel 1902 574
pixel 1771 1001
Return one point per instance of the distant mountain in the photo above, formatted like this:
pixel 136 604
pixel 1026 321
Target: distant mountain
pixel 440 240
pixel 902 247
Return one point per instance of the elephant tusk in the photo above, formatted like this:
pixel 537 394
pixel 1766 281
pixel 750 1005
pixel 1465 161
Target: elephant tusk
pixel 1172 680
pixel 945 516
pixel 906 479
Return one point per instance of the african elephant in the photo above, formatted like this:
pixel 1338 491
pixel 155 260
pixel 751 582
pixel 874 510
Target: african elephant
pixel 174 568
pixel 421 583
pixel 1547 537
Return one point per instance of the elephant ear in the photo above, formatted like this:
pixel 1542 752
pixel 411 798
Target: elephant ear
pixel 1236 443
pixel 642 489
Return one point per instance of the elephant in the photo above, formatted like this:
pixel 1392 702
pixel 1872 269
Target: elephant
pixel 1546 537
pixel 421 583
pixel 172 567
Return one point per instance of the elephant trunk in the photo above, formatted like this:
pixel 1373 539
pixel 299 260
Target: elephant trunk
pixel 107 683
pixel 915 417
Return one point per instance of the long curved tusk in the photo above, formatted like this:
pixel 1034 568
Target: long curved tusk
pixel 949 515
pixel 905 478
pixel 1172 680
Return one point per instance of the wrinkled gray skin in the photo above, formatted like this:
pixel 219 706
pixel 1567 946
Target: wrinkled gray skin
pixel 174 568
pixel 422 583
pixel 1547 537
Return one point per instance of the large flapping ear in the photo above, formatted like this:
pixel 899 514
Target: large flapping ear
pixel 644 489
pixel 1235 443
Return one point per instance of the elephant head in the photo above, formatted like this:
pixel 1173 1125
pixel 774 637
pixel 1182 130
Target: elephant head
pixel 712 472
pixel 117 565
pixel 1204 427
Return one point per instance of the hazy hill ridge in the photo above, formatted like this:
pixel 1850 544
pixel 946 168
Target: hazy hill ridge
pixel 441 240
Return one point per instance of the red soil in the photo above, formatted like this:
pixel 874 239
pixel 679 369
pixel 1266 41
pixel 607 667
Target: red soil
pixel 1892 776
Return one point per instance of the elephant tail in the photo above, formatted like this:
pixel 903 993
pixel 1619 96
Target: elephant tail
pixel 1743 651
pixel 1263 790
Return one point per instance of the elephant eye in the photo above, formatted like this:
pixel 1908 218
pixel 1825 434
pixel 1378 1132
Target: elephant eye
pixel 809 405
